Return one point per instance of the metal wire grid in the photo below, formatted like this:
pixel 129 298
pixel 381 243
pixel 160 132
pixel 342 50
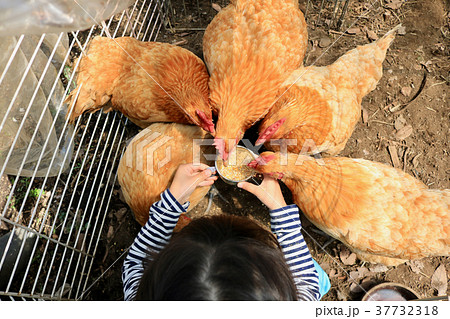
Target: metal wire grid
pixel 58 261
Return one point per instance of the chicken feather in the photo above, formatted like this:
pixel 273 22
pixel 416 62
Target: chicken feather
pixel 383 214
pixel 150 161
pixel 249 48
pixel 146 81
pixel 318 107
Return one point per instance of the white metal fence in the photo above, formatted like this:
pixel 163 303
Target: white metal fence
pixel 51 219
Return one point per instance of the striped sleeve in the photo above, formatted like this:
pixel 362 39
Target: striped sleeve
pixel 285 224
pixel 155 234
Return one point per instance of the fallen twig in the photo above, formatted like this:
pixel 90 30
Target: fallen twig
pixel 399 108
pixel 405 157
pixel 188 29
pixel 381 122
pixel 180 42
pixel 341 33
pixel 394 156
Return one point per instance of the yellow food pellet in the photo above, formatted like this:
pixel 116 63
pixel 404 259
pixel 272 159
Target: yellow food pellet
pixel 237 169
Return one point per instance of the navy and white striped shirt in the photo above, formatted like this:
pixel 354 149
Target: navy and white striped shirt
pixel 164 214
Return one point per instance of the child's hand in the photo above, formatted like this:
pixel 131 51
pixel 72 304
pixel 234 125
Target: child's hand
pixel 269 192
pixel 187 178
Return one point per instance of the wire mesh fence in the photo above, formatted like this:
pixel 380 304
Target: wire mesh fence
pixel 53 209
pixel 57 178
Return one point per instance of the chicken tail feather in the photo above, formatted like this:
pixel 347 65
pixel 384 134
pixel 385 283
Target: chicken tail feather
pixel 387 39
pixel 364 65
pixel 83 102
pixel 96 75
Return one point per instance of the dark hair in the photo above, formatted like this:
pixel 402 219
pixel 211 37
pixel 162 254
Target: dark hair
pixel 219 258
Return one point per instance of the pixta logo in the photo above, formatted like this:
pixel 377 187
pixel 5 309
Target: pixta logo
pixel 141 152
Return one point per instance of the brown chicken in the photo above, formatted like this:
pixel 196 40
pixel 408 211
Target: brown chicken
pixel 250 47
pixel 149 163
pixel 383 214
pixel 319 107
pixel 146 81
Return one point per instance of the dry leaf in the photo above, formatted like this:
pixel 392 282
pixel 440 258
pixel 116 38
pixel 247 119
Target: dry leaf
pixel 80 245
pixel 120 214
pixel 333 273
pixel 427 65
pixel 399 122
pixel 372 35
pixel 395 4
pixel 362 272
pixel 379 268
pixel 353 275
pixel 355 288
pixel 416 266
pixel 354 31
pixel 341 296
pixel 110 233
pixel 439 280
pixel 216 7
pixel 394 156
pixel 401 30
pixel 392 79
pixel 404 132
pixel 324 42
pixel 415 160
pixel 406 90
pixel 325 266
pixel 347 257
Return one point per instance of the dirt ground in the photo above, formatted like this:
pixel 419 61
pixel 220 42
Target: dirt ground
pixel 418 134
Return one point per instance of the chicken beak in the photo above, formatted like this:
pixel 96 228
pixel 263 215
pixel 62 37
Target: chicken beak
pixel 219 144
pixel 225 147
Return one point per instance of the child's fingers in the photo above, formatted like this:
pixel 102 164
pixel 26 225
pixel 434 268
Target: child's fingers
pixel 206 183
pixel 209 181
pixel 198 167
pixel 202 176
pixel 270 181
pixel 252 188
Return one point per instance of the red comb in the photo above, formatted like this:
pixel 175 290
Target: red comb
pixel 206 122
pixel 268 132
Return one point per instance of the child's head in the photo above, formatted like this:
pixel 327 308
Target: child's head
pixel 219 258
